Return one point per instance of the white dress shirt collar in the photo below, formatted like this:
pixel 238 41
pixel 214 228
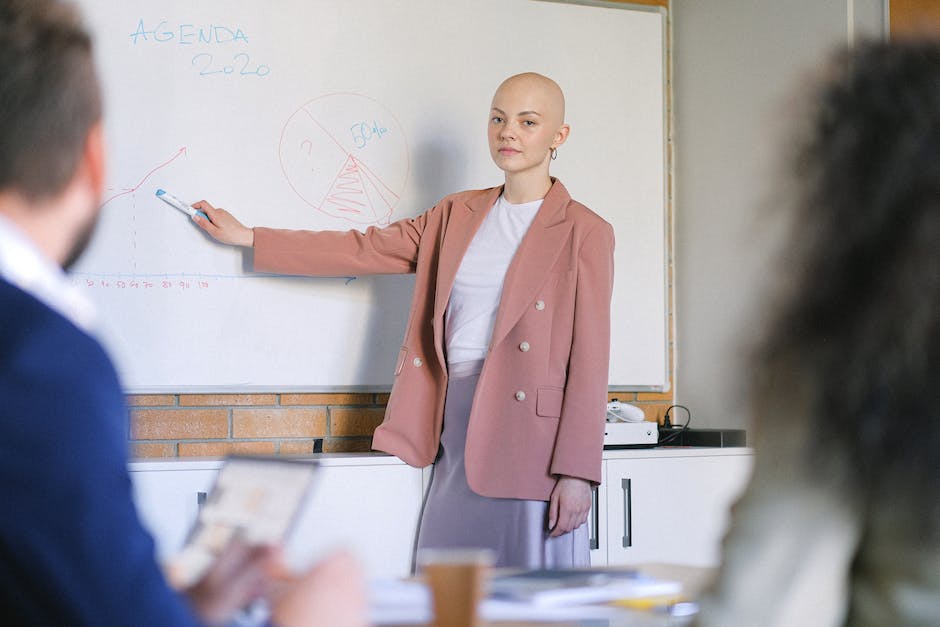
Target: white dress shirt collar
pixel 23 265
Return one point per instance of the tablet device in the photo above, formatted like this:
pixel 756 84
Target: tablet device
pixel 254 499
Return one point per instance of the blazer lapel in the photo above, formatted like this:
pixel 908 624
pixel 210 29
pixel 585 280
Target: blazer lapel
pixel 463 224
pixel 531 265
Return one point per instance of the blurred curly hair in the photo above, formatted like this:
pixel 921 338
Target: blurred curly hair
pixel 855 348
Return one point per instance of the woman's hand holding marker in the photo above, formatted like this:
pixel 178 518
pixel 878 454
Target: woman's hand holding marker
pixel 223 226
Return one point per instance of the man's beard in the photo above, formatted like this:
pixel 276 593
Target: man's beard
pixel 81 243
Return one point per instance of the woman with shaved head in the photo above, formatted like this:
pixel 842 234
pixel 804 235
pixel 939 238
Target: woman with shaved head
pixel 501 379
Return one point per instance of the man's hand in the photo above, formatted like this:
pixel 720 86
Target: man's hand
pixel 240 575
pixel 331 594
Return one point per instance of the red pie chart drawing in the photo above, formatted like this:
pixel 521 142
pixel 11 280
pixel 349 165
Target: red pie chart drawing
pixel 346 155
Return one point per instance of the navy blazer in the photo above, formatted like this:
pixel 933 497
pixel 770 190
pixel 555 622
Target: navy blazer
pixel 72 548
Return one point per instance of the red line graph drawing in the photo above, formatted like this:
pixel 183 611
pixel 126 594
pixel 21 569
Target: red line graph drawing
pixel 346 155
pixel 131 190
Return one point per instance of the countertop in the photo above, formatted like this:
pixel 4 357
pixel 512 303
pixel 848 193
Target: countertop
pixel 381 459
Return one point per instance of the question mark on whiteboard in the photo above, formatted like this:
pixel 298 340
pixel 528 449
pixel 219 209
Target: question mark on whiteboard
pixel 309 145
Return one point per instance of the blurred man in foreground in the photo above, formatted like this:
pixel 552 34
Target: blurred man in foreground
pixel 72 549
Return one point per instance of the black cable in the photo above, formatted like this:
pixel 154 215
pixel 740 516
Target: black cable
pixel 683 429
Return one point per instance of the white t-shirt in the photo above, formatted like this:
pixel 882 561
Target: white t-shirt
pixel 474 299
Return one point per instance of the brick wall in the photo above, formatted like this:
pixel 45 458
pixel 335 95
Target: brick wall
pixel 197 425
pixel 194 425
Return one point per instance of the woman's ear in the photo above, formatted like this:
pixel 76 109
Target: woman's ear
pixel 561 135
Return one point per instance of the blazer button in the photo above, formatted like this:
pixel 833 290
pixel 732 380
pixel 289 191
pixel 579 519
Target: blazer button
pixel 417 362
pixel 524 347
pixel 520 395
pixel 540 305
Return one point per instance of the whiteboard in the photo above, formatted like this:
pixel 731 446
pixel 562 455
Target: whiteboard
pixel 339 114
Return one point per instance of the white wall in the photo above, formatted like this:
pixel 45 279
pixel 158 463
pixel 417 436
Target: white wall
pixel 738 65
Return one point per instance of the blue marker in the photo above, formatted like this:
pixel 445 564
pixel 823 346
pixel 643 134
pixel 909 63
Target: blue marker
pixel 173 201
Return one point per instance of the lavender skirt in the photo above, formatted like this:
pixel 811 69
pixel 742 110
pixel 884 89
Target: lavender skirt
pixel 457 517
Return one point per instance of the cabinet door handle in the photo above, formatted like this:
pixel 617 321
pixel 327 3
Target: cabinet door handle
pixel 627 513
pixel 201 498
pixel 595 520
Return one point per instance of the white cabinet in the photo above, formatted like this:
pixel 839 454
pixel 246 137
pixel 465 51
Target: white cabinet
pixel 168 496
pixel 672 509
pixel 371 509
pixel 367 504
pixel 652 506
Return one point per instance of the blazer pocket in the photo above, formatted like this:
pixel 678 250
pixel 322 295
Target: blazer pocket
pixel 402 354
pixel 549 402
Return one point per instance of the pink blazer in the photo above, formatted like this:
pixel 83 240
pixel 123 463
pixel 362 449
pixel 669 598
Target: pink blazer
pixel 538 411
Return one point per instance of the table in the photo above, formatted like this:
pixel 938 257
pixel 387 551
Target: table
pixel 692 579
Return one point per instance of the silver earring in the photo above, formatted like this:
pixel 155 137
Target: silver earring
pixel 554 153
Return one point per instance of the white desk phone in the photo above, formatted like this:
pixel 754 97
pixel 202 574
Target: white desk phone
pixel 627 426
